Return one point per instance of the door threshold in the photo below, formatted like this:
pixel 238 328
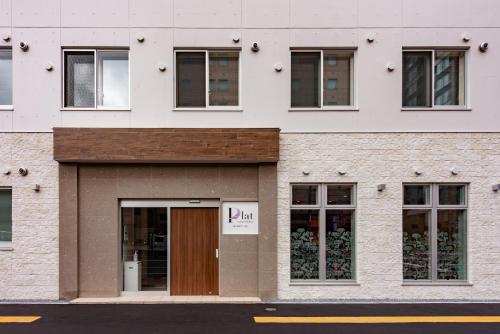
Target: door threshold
pixel 161 297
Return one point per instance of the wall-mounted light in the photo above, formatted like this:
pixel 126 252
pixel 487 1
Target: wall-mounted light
pixel 381 187
pixel 454 171
pixel 342 172
pixel 465 37
pixel 255 47
pixel 141 38
pixel 495 187
pixel 391 67
pixel 23 171
pixel 483 47
pixel 36 188
pixel 162 67
pixel 24 46
pixel 278 67
pixel 49 67
pixel 370 38
pixel 6 38
pixel 236 39
pixel 418 171
pixel 306 172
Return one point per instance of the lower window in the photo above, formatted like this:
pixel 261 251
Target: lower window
pixel 435 232
pixel 322 232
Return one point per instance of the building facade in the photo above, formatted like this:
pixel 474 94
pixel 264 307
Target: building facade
pixel 286 150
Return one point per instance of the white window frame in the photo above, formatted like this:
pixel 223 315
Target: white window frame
pixel 97 71
pixel 9 106
pixel 433 106
pixel 433 207
pixel 352 85
pixel 208 107
pixel 322 206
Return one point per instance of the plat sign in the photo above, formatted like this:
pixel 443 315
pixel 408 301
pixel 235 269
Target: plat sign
pixel 240 218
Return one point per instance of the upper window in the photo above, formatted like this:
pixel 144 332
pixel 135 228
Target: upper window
pixel 433 78
pixel 322 78
pixel 434 232
pixel 5 216
pixel 5 78
pixel 207 79
pixel 96 79
pixel 322 232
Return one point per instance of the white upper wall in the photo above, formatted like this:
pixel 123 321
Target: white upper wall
pixel 277 26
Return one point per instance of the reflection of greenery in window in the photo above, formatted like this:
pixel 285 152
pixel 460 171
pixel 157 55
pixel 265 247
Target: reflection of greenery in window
pixel 450 259
pixel 338 254
pixel 416 256
pixel 304 253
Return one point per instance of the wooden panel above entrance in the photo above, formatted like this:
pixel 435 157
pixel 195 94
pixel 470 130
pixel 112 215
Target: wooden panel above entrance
pixel 116 145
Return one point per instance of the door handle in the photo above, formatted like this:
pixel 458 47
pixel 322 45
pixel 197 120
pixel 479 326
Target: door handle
pixel 216 253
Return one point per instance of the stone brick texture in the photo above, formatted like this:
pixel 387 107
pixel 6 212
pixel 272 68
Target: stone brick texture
pixel 391 158
pixel 30 270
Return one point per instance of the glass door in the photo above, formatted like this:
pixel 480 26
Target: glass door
pixel 145 248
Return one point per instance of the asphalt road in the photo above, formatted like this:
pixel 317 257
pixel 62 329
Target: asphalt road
pixel 231 319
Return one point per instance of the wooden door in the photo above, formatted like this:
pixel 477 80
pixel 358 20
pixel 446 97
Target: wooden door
pixel 194 242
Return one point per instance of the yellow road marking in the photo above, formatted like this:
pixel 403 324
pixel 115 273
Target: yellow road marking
pixel 18 319
pixel 376 320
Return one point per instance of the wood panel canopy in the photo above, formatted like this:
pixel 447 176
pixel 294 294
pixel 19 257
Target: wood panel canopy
pixel 166 145
pixel 194 241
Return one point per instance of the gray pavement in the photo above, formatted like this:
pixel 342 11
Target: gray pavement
pixel 231 318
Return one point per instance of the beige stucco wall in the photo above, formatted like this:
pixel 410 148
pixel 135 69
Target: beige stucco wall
pixel 30 269
pixel 390 158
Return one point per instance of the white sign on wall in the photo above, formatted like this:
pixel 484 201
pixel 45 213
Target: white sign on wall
pixel 240 218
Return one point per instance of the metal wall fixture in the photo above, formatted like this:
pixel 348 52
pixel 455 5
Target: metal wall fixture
pixel 370 38
pixel 418 171
pixel 381 187
pixel 236 39
pixel 465 37
pixel 495 187
pixel 306 172
pixel 483 47
pixel 255 47
pixel 36 187
pixel 391 67
pixel 342 172
pixel 162 67
pixel 454 171
pixel 278 67
pixel 5 170
pixel 6 38
pixel 141 38
pixel 49 67
pixel 24 46
pixel 23 171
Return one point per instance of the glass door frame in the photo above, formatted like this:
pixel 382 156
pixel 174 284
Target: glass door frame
pixel 168 204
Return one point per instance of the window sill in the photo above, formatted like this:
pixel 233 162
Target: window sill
pixel 96 109
pixel 6 246
pixel 6 108
pixel 229 109
pixel 434 109
pixel 324 283
pixel 447 283
pixel 326 109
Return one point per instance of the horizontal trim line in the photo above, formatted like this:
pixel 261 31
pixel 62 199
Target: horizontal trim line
pixel 18 319
pixel 377 319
